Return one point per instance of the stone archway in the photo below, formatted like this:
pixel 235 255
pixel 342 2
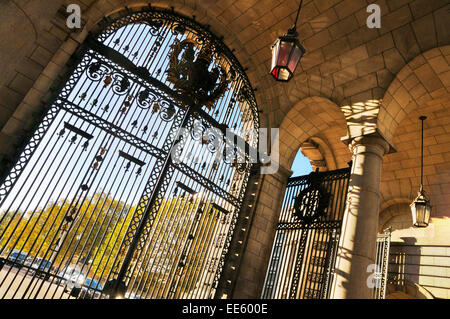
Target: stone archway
pixel 397 208
pixel 310 117
pixel 425 78
pixel 53 50
pixel 117 114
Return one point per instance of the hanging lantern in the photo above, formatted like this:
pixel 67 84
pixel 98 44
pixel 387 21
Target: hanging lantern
pixel 421 207
pixel 421 210
pixel 286 53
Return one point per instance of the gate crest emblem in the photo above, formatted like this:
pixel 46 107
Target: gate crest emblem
pixel 190 74
pixel 312 202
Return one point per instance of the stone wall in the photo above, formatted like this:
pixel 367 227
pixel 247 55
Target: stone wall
pixel 252 271
pixel 425 265
pixel 420 257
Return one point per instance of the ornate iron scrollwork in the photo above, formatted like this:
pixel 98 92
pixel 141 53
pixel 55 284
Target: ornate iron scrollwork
pixel 190 74
pixel 120 85
pixel 120 103
pixel 97 70
pixel 312 202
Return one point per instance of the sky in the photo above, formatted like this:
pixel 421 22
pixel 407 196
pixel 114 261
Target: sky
pixel 301 165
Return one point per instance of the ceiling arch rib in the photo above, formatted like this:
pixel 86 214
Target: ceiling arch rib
pixel 345 62
pixel 425 78
pixel 308 118
pixel 319 153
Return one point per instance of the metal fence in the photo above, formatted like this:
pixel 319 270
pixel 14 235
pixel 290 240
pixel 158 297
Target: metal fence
pixel 382 263
pixel 307 236
pixel 94 206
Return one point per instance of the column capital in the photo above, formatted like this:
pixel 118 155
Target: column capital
pixel 373 139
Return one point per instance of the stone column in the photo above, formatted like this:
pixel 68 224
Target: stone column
pixel 256 255
pixel 357 245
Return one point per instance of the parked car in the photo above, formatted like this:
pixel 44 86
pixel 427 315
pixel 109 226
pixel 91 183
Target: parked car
pixel 74 284
pixel 90 289
pixel 42 268
pixel 82 287
pixel 67 273
pixel 29 261
pixel 132 296
pixel 17 258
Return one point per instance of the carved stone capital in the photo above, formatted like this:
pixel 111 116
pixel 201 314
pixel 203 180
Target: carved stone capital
pixel 374 142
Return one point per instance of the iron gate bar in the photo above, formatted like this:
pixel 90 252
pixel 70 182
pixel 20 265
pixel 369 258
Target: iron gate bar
pixel 133 140
pixel 112 129
pixel 382 262
pixel 294 240
pixel 303 253
pixel 141 73
pixel 170 15
pixel 313 225
pixel 30 153
pixel 298 265
pixel 94 239
pixel 220 209
pixel 311 278
pixel 331 255
pixel 78 131
pixel 207 183
pixel 231 262
pixel 118 284
pixel 46 255
pixel 149 214
pixel 131 155
pixel 131 158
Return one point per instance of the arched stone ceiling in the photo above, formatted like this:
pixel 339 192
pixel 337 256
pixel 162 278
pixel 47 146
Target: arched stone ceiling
pixel 311 116
pixel 400 178
pixel 345 62
pixel 425 78
pixel 392 211
pixel 339 150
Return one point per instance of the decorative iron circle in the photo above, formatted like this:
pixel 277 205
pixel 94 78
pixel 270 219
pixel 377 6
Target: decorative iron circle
pixel 311 203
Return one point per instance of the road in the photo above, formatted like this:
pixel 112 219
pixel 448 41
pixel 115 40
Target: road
pixel 14 283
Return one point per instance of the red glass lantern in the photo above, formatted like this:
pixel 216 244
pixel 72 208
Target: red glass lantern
pixel 286 54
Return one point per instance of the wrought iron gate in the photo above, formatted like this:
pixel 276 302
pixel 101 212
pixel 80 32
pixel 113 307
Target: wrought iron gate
pixel 305 245
pixel 96 206
pixel 382 264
